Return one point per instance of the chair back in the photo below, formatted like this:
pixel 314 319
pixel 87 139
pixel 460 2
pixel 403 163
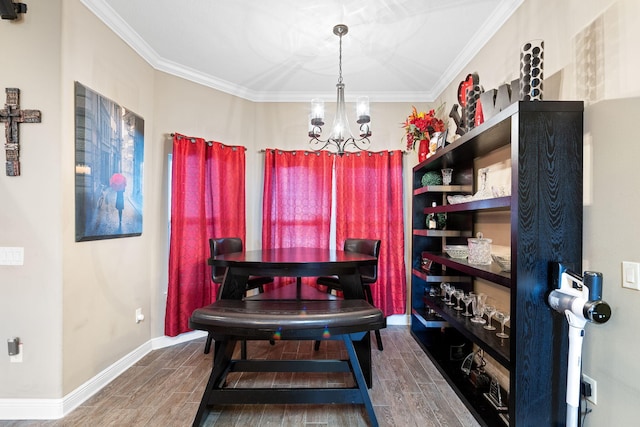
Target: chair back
pixel 225 245
pixel 368 273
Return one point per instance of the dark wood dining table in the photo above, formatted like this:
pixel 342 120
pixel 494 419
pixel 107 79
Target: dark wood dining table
pixel 292 262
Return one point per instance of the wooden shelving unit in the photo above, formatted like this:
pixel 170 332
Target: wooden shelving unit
pixel 544 214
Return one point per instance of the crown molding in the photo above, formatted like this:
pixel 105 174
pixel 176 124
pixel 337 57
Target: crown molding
pixel 110 18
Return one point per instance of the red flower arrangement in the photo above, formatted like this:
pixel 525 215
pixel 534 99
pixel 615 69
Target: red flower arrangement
pixel 420 126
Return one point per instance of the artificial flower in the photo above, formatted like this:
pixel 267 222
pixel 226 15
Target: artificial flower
pixel 421 126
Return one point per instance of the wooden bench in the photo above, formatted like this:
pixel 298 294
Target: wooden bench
pixel 232 320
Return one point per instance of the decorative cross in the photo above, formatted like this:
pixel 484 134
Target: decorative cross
pixel 11 115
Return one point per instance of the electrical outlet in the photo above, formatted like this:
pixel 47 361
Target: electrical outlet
pixel 592 385
pixel 139 315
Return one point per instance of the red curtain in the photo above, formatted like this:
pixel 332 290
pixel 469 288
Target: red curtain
pixel 207 200
pixel 369 206
pixel 297 200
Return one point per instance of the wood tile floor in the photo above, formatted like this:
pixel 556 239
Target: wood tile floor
pixel 164 389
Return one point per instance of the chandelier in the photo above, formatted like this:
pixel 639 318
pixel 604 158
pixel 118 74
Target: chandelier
pixel 340 136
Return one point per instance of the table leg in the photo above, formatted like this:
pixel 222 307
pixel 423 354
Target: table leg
pixel 233 286
pixel 351 285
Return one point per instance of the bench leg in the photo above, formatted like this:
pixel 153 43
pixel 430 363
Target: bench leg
pixel 221 363
pixel 360 379
pixel 363 352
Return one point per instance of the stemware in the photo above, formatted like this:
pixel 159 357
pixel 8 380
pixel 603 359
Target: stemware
pixel 458 295
pixel 443 290
pixel 503 318
pixel 490 310
pixel 451 290
pixel 467 300
pixel 477 305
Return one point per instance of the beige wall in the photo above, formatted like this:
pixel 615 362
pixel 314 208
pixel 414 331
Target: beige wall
pixel 104 281
pixel 73 303
pixel 31 208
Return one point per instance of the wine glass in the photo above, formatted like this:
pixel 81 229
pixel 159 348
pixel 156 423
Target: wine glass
pixel 503 318
pixel 490 310
pixel 458 295
pixel 467 300
pixel 451 290
pixel 477 305
pixel 443 290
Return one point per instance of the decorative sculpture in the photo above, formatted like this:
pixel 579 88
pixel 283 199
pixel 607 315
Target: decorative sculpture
pixel 469 91
pixel 11 116
pixel 495 100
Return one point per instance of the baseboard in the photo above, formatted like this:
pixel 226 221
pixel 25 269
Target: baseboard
pixel 399 319
pixel 53 409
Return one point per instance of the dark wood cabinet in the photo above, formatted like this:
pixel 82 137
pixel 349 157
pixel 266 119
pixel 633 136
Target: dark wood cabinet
pixel 543 214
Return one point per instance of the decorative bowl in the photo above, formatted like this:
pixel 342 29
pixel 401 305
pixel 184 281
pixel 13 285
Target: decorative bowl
pixel 457 251
pixel 504 261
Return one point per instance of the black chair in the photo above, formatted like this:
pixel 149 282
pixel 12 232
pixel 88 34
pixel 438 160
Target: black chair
pixel 227 245
pixel 368 274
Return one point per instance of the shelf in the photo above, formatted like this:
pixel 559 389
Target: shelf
pixel 489 136
pixel 438 278
pixel 475 205
pixel 430 319
pixel 491 272
pixel 494 133
pixel 441 233
pixel 496 347
pixel 443 189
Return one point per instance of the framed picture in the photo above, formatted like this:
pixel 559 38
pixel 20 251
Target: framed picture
pixel 109 146
pixel 442 139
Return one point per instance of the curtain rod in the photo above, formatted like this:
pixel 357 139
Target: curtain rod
pixel 210 143
pixel 263 150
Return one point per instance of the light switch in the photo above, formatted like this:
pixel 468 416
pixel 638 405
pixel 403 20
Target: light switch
pixel 631 275
pixel 11 256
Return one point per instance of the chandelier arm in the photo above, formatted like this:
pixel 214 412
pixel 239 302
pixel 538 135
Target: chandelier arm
pixel 317 142
pixel 360 143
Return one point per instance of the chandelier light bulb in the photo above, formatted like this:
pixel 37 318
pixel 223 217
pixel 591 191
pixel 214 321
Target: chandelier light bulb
pixel 317 110
pixel 362 109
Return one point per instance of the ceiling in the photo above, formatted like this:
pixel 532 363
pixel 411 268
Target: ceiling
pixel 285 50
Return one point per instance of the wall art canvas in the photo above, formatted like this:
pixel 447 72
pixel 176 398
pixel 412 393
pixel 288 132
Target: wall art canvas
pixel 109 146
